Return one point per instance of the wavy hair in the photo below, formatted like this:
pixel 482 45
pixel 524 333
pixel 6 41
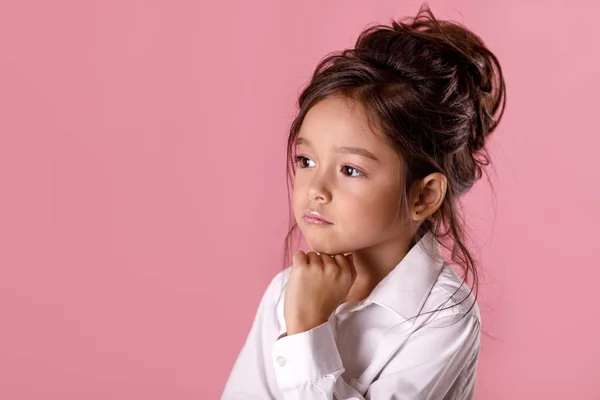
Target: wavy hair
pixel 436 92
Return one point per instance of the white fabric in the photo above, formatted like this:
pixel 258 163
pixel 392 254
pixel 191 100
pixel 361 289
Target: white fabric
pixel 370 349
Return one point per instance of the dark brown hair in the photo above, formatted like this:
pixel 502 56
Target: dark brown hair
pixel 436 93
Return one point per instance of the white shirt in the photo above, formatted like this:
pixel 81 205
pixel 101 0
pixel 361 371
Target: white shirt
pixel 370 349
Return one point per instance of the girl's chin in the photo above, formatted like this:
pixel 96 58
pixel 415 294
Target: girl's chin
pixel 324 243
pixel 330 250
pixel 321 249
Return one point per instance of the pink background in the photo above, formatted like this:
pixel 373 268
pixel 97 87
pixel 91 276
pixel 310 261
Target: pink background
pixel 143 201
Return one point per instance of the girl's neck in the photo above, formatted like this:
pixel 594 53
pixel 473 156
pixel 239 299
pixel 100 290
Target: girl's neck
pixel 375 263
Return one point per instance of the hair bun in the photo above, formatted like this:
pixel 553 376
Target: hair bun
pixel 479 72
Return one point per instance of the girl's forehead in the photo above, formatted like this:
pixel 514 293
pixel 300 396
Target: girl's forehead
pixel 337 121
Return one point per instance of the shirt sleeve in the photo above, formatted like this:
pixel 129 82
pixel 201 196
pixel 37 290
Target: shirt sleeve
pixel 249 378
pixel 427 365
pixel 308 366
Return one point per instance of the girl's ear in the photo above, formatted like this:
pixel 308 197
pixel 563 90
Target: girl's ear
pixel 427 195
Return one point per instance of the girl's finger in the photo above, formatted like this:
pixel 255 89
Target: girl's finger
pixel 299 258
pixel 346 262
pixel 352 267
pixel 314 259
pixel 329 260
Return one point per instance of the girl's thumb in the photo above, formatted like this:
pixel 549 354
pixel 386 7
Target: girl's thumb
pixel 350 258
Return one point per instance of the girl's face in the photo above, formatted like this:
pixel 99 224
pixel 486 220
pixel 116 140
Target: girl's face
pixel 350 176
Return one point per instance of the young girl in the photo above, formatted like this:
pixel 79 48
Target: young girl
pixel 389 135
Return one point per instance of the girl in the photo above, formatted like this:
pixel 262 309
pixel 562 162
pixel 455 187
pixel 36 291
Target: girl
pixel 389 134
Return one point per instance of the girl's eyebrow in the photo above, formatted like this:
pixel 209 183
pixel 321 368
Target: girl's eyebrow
pixel 356 150
pixel 343 149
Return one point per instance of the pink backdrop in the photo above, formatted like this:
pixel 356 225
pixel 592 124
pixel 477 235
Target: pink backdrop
pixel 143 208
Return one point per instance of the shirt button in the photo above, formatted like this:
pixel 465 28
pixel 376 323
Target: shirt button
pixel 280 361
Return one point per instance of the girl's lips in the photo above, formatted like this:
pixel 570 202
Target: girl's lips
pixel 313 217
pixel 315 220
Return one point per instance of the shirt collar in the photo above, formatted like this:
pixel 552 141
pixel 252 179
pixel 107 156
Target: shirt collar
pixel 405 289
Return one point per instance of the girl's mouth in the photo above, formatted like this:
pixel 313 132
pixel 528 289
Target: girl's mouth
pixel 314 218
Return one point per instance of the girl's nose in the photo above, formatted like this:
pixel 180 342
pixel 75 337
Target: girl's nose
pixel 318 192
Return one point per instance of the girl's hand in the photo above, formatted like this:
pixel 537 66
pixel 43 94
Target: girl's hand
pixel 318 284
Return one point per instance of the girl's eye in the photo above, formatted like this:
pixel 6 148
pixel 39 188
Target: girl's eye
pixel 305 162
pixel 351 171
pixel 301 160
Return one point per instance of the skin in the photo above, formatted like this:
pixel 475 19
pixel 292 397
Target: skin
pixel 367 235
